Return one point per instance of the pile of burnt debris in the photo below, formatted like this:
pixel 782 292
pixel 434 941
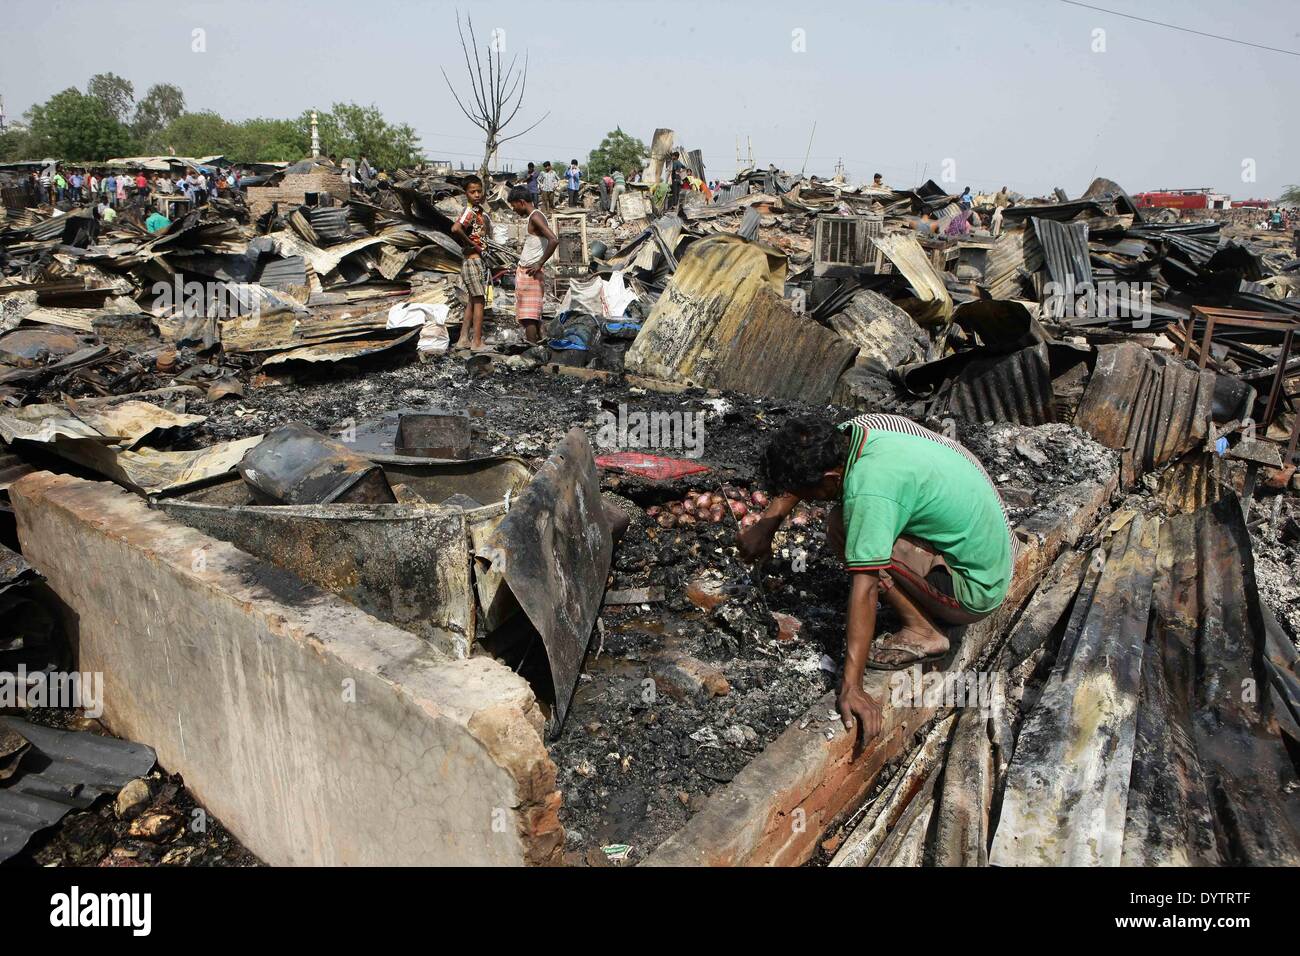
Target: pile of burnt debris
pixel 274 370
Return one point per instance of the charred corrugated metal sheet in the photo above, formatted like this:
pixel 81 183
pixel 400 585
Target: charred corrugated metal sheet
pixel 781 355
pixel 1006 388
pixel 1193 483
pixel 59 772
pixel 1151 407
pixel 330 223
pixel 933 304
pixel 1065 251
pixel 703 309
pixel 1167 642
pixel 881 330
pixel 1011 259
pixel 1068 782
pixel 285 274
pixel 554 548
pixel 1228 760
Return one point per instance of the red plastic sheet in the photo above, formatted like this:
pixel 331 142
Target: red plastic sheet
pixel 656 467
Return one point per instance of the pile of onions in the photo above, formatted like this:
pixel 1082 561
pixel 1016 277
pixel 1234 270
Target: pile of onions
pixel 706 507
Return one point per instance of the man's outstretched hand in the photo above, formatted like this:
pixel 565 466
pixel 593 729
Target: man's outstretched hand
pixel 754 543
pixel 861 715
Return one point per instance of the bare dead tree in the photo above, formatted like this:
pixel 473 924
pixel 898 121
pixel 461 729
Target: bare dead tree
pixel 497 88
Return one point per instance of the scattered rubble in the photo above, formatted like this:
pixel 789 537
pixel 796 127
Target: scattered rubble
pixel 274 369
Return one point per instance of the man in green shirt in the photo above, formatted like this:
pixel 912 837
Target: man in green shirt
pixel 156 222
pixel 921 525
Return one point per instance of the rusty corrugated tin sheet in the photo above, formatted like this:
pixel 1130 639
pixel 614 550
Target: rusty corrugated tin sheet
pixel 1006 388
pixel 1067 785
pixel 1212 781
pixel 934 304
pixel 1195 482
pixel 1160 738
pixel 1151 407
pixel 721 323
pixel 781 355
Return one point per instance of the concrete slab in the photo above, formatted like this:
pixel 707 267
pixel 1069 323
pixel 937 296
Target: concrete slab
pixel 316 733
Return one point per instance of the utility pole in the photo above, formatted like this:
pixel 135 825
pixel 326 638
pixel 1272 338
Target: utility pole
pixel 741 163
pixel 809 152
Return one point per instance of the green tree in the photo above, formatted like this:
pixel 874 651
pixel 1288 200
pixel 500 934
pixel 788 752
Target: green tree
pixel 161 104
pixel 348 129
pixel 116 93
pixel 617 150
pixel 1290 196
pixel 269 141
pixel 74 126
pixel 15 144
pixel 198 134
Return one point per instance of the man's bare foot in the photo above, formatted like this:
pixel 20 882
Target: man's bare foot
pixel 907 646
pixel 461 344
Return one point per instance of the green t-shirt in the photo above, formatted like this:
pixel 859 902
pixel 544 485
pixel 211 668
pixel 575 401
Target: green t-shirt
pixel 902 479
pixel 156 221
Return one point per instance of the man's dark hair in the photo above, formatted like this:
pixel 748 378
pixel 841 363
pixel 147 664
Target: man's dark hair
pixel 520 194
pixel 473 181
pixel 801 452
pixel 531 166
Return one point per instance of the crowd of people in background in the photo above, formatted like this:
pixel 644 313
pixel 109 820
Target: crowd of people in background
pixel 547 189
pixel 110 191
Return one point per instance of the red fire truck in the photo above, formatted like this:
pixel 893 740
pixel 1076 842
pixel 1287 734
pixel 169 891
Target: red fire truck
pixel 1202 198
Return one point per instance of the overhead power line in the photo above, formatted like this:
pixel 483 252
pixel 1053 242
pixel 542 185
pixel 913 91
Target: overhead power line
pixel 1174 26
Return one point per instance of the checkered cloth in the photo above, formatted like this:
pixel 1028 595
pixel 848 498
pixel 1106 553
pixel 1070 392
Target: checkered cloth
pixel 474 274
pixel 528 296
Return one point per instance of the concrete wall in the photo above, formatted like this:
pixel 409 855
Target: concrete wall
pixel 316 733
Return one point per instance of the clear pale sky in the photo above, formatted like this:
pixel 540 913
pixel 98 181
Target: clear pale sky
pixel 1010 90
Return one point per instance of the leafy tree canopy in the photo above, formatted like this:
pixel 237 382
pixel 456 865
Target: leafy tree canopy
pixel 617 150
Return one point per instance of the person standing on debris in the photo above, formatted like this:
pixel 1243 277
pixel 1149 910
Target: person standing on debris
pixel 471 231
pixel 540 243
pixel 550 182
pixel 619 188
pixel 965 199
pixel 157 222
pixel 676 175
pixel 60 186
pixel 878 181
pixel 531 184
pixel 920 525
pixel 574 177
pixel 1003 198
